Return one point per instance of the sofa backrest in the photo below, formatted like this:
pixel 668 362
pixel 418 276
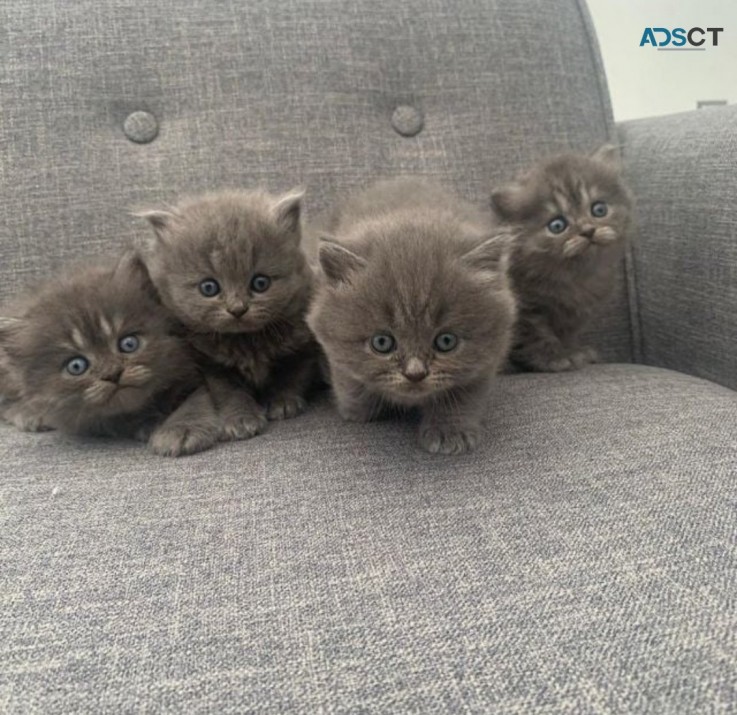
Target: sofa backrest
pixel 104 106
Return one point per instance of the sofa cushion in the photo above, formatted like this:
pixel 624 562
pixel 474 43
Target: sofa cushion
pixel 583 559
pixel 107 106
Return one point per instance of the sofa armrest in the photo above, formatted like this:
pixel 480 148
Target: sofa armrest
pixel 683 171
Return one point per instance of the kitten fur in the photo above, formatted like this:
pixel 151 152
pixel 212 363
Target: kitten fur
pixel 255 347
pixel 408 259
pixel 562 280
pixel 85 312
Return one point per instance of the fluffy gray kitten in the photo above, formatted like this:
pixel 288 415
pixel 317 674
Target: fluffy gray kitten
pixel 414 308
pixel 230 267
pixel 92 352
pixel 571 214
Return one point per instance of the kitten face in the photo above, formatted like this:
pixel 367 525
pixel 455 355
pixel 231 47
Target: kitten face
pixel 228 262
pixel 94 345
pixel 569 206
pixel 414 318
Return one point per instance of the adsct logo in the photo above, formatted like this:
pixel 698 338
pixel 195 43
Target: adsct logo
pixel 679 39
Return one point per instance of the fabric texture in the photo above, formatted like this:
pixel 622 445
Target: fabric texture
pixel 582 560
pixel 682 170
pixel 278 93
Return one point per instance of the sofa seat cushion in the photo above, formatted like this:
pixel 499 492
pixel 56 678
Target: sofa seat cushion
pixel 583 559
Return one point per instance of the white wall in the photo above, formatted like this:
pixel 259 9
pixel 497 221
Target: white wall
pixel 644 82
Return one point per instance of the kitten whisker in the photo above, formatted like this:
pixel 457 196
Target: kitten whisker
pixel 136 376
pixel 605 235
pixel 575 245
pixel 376 408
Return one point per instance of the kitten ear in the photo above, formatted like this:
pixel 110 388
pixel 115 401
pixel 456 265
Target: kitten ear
pixel 132 269
pixel 491 257
pixel 506 201
pixel 288 210
pixel 609 155
pixel 160 219
pixel 129 266
pixel 337 262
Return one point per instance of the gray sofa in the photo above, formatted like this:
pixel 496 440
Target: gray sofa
pixel 584 559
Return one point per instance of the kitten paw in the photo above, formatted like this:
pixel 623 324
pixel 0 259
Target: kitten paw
pixel 448 440
pixel 25 421
pixel 284 407
pixel 178 440
pixel 562 364
pixel 573 361
pixel 243 425
pixel 584 356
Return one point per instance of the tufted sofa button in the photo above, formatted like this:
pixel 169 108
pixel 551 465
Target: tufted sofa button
pixel 407 120
pixel 141 127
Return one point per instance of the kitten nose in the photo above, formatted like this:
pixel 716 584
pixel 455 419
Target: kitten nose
pixel 239 311
pixel 588 232
pixel 113 376
pixel 415 370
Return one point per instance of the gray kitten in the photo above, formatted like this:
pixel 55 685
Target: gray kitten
pixel 414 308
pixel 230 267
pixel 571 213
pixel 91 352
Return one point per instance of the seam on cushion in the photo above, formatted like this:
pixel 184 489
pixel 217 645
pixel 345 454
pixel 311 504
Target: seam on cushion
pixel 635 346
pixel 633 291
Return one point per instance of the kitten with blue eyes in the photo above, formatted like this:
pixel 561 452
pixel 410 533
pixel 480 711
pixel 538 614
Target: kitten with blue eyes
pixel 230 267
pixel 413 308
pixel 92 352
pixel 571 215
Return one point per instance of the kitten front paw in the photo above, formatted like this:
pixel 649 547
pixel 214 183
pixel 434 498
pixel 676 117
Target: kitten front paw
pixel 180 439
pixel 448 440
pixel 284 407
pixel 574 360
pixel 561 364
pixel 242 425
pixel 25 421
pixel 583 357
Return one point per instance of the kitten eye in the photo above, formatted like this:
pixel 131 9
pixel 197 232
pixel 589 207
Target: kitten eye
pixel 78 365
pixel 557 225
pixel 445 342
pixel 209 287
pixel 599 209
pixel 129 344
pixel 383 343
pixel 260 283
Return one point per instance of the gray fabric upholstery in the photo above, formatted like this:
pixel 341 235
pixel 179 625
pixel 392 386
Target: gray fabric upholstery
pixel 583 560
pixel 279 92
pixel 682 170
